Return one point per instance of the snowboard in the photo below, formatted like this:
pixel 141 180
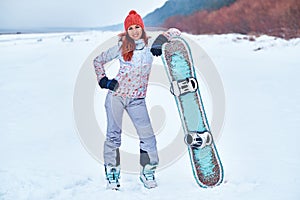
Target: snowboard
pixel 178 63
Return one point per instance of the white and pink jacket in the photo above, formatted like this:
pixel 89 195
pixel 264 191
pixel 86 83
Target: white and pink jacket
pixel 133 76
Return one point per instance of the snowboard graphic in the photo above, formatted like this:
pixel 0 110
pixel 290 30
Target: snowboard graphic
pixel 206 165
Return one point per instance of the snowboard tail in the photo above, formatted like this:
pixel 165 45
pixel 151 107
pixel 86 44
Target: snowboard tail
pixel 206 164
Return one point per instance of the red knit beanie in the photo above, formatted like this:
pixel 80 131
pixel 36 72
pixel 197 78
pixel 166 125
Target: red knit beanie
pixel 133 18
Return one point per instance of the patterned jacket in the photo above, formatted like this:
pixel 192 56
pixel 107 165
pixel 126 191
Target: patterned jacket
pixel 133 76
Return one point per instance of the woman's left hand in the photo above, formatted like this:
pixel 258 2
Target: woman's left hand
pixel 157 45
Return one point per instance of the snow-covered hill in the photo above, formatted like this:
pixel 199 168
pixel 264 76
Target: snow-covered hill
pixel 42 157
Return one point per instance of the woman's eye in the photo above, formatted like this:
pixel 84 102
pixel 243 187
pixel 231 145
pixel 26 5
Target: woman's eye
pixel 137 26
pixel 130 28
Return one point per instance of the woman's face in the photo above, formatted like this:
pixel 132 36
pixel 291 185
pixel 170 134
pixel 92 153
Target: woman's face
pixel 135 32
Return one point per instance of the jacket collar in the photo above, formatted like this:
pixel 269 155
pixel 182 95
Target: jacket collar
pixel 140 44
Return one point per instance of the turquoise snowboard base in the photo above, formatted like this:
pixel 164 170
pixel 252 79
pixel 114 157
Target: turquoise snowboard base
pixel 206 164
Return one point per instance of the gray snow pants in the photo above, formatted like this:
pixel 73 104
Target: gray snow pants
pixel 137 111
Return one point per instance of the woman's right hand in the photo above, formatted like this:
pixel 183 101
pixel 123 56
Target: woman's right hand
pixel 109 84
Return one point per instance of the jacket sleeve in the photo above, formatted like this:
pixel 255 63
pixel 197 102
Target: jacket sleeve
pixel 169 34
pixel 104 58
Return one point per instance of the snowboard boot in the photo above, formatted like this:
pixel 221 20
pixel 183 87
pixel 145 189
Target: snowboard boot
pixel 112 176
pixel 147 176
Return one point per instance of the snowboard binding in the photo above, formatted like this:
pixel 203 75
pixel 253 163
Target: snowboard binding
pixel 199 140
pixel 184 86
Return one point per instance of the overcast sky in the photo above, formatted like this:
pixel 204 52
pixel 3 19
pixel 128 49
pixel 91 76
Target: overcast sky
pixel 23 14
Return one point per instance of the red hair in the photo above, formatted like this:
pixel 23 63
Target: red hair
pixel 128 44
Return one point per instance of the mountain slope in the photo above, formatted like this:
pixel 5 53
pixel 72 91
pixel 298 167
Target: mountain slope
pixel 273 17
pixel 182 7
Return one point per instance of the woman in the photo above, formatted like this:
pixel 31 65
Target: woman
pixel 127 91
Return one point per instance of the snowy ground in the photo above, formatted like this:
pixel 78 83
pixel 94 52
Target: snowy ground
pixel 41 156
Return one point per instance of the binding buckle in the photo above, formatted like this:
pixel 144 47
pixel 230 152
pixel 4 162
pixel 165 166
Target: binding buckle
pixel 184 86
pixel 197 139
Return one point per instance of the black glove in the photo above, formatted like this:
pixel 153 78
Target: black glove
pixel 157 44
pixel 109 84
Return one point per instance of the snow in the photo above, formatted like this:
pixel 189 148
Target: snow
pixel 42 155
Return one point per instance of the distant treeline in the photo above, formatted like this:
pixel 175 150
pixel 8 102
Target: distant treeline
pixel 280 18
